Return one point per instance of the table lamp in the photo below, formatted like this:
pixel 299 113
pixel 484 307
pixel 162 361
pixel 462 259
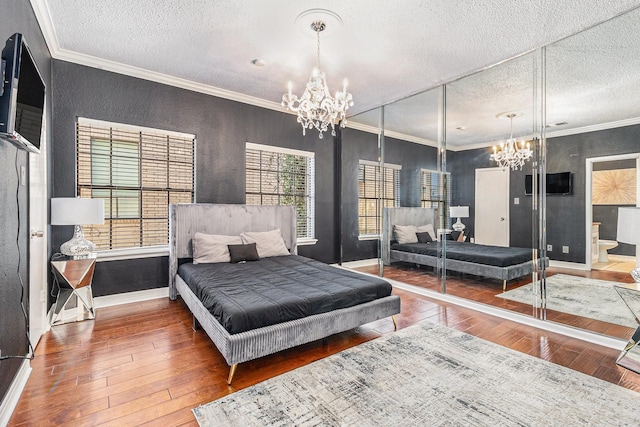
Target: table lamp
pixel 629 232
pixel 77 212
pixel 459 212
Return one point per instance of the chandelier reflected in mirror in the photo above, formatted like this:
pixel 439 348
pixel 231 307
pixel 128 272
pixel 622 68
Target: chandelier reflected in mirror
pixel 510 154
pixel 316 108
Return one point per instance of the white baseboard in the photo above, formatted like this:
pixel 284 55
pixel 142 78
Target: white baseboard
pixel 129 297
pixel 13 394
pixel 569 265
pixel 360 263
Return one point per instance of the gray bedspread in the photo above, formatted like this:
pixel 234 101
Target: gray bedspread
pixel 498 256
pixel 255 294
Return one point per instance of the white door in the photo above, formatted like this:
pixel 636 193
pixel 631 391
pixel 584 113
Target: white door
pixel 492 207
pixel 38 263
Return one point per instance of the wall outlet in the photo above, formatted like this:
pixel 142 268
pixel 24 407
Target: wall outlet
pixel 565 249
pixel 23 176
pixel 549 248
pixel 516 200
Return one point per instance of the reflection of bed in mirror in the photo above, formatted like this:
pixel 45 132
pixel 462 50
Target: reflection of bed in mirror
pixel 496 262
pixel 257 308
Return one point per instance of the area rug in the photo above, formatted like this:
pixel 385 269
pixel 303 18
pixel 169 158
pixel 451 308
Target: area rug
pixel 592 298
pixel 426 375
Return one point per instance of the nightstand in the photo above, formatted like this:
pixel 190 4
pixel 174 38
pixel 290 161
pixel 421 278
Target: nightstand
pixel 74 277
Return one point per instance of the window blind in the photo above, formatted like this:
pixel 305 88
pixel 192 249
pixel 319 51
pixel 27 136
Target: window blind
pixel 138 172
pixel 375 194
pixel 277 176
pixel 435 191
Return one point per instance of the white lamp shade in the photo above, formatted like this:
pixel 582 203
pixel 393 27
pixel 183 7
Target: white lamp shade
pixel 459 211
pixel 629 225
pixel 76 211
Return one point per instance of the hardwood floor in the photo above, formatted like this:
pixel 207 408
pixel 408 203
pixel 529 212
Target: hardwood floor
pixel 484 291
pixel 142 364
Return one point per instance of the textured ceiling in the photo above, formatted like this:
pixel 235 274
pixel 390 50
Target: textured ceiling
pixel 388 49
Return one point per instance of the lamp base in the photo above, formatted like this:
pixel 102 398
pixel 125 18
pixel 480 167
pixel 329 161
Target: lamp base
pixel 78 245
pixel 458 226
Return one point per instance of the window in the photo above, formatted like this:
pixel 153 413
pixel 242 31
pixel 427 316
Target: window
pixel 280 176
pixel 431 186
pixel 373 195
pixel 138 172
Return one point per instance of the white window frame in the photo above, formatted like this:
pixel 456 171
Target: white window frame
pixel 144 251
pixel 396 197
pixel 310 191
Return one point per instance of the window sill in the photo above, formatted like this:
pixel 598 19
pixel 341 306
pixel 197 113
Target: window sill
pixel 369 237
pixel 133 253
pixel 306 241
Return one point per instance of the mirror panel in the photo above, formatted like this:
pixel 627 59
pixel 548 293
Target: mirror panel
pixel 592 90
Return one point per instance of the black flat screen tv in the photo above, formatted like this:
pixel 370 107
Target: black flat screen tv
pixel 21 96
pixel 560 183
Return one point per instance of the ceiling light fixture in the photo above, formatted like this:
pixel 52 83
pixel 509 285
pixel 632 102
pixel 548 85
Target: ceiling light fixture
pixel 510 154
pixel 316 108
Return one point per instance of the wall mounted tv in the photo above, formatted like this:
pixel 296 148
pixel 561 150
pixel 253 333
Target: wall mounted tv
pixel 21 96
pixel 557 184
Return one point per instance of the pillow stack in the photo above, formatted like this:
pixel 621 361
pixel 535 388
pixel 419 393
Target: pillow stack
pixel 248 246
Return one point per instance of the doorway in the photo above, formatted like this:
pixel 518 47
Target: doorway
pixel 611 181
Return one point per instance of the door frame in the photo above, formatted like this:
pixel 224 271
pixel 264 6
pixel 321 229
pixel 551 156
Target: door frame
pixel 588 197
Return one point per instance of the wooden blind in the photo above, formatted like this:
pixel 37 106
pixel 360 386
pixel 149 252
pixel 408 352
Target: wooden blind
pixel 138 173
pixel 282 178
pixel 374 195
pixel 435 191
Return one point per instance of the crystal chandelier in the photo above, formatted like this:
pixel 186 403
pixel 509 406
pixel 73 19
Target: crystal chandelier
pixel 510 154
pixel 316 108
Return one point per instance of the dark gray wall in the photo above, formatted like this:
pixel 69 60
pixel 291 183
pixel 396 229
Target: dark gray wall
pixel 222 128
pixel 463 165
pixel 566 214
pixel 16 17
pixel 358 145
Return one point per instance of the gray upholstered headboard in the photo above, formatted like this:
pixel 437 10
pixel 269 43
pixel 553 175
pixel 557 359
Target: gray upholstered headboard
pixel 402 216
pixel 185 220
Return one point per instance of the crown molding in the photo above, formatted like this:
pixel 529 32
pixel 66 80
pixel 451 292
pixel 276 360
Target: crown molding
pixel 43 16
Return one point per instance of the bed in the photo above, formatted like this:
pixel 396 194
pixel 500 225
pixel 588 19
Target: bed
pixel 241 341
pixel 494 262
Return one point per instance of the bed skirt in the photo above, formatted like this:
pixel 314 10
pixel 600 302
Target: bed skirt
pixel 245 346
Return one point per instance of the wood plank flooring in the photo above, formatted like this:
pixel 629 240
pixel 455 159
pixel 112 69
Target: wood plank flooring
pixel 142 364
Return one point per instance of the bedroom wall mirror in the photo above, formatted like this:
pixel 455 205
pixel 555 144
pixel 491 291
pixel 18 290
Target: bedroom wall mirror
pixel 411 145
pixel 490 258
pixel 364 189
pixel 593 87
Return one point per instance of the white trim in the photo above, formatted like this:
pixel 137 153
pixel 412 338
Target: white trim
pixel 570 265
pixel 282 150
pixel 16 388
pixel 132 253
pixel 368 237
pixel 360 263
pixel 129 297
pixel 546 325
pixel 391 134
pixel 85 121
pixel 386 165
pixel 306 241
pixel 588 205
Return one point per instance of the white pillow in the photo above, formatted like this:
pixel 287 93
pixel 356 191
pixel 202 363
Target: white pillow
pixel 268 243
pixel 212 248
pixel 405 233
pixel 429 229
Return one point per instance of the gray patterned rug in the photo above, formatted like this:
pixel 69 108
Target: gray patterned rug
pixel 427 375
pixel 592 298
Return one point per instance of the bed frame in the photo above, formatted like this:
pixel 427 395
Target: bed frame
pixel 187 219
pixel 422 216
